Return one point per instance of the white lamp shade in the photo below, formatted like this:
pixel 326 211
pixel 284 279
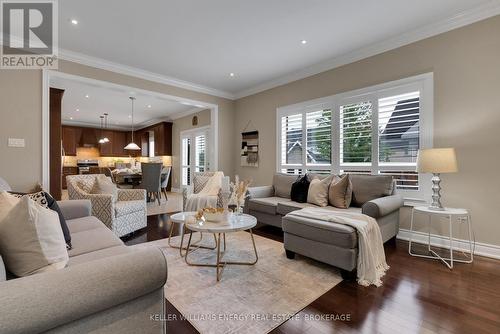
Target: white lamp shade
pixel 132 147
pixel 437 160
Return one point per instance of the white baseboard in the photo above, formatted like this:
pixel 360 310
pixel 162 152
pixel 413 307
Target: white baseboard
pixel 176 190
pixel 482 249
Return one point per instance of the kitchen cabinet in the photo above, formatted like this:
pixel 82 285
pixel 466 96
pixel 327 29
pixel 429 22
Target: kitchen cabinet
pixel 118 142
pixel 106 149
pixel 68 171
pixel 69 139
pixel 162 138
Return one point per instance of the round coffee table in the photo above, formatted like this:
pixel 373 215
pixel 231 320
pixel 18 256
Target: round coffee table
pixel 182 218
pixel 233 223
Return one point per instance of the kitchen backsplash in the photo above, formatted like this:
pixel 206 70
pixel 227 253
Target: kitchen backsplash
pixel 110 161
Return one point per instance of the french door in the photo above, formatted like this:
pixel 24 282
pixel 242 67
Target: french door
pixel 194 154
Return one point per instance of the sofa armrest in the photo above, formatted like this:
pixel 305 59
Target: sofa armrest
pixel 260 192
pixel 73 209
pixel 382 206
pixel 131 194
pixel 55 298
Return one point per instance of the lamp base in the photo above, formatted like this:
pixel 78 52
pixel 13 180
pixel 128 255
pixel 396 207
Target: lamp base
pixel 436 193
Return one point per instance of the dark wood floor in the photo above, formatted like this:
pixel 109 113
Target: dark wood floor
pixel 418 296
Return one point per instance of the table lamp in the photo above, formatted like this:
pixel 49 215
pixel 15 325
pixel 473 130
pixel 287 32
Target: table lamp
pixel 437 161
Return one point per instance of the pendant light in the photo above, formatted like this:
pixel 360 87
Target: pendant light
pixel 105 139
pixel 132 146
pixel 101 141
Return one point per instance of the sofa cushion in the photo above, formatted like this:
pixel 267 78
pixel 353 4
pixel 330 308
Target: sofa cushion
pixel 127 207
pixel 93 240
pixel 322 231
pixel 285 208
pixel 266 204
pixel 106 252
pixel 368 187
pixel 84 224
pixel 282 184
pixel 300 189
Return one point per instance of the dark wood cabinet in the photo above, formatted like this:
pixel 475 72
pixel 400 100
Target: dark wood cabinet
pixel 70 140
pixel 106 149
pixel 118 143
pixel 68 171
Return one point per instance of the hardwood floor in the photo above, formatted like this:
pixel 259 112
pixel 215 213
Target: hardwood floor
pixel 418 296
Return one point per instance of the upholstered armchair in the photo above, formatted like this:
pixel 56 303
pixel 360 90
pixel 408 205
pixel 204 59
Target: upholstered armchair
pixel 123 215
pixel 198 183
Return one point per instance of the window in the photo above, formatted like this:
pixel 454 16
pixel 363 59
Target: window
pixel 376 130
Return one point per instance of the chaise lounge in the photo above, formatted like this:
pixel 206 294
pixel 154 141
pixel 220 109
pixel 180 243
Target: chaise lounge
pixel 332 243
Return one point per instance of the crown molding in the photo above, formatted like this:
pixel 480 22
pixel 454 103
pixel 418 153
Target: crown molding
pixel 103 64
pixel 489 9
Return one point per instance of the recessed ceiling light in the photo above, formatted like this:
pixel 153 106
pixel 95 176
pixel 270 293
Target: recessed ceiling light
pixel 71 118
pixel 149 106
pixel 74 21
pixel 129 116
pixel 77 109
pixel 87 96
pixel 231 74
pixel 303 41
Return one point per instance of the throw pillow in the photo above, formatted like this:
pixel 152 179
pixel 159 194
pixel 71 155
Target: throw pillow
pixel 300 189
pixel 52 203
pixel 318 191
pixel 38 197
pixel 340 192
pixel 31 241
pixel 47 201
pixel 103 185
pixel 7 202
pixel 369 187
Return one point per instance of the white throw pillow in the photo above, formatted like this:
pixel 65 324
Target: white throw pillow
pixel 31 239
pixel 318 191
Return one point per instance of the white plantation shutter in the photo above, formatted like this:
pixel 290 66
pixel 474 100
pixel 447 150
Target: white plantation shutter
pixel 398 124
pixel 319 137
pixel 291 140
pixel 356 134
pixel 200 149
pixel 185 169
pixel 376 130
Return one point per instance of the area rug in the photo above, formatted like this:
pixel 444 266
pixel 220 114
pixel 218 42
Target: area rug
pixel 248 299
pixel 174 204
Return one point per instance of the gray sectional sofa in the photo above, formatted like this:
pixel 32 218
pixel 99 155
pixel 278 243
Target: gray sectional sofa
pixel 331 243
pixel 107 287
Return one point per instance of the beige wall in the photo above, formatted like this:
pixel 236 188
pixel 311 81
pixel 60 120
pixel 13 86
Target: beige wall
pixel 466 66
pixel 21 114
pixel 179 125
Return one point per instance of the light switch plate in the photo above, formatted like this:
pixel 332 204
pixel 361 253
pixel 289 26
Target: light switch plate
pixel 17 142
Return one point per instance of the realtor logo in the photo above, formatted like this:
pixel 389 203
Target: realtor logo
pixel 29 34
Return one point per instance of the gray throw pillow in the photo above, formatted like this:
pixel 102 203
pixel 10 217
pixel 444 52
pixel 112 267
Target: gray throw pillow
pixel 283 184
pixel 368 187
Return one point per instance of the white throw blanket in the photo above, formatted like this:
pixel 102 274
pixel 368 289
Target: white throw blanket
pixel 371 264
pixel 207 197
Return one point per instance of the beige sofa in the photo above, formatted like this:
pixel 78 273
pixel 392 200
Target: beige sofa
pixel 107 287
pixel 332 243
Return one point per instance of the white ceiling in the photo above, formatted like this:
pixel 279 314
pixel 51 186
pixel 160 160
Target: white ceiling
pixel 78 109
pixel 201 42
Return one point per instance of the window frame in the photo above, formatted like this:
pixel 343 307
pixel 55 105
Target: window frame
pixel 423 83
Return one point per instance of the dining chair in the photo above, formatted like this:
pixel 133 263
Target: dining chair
pixel 165 177
pixel 151 180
